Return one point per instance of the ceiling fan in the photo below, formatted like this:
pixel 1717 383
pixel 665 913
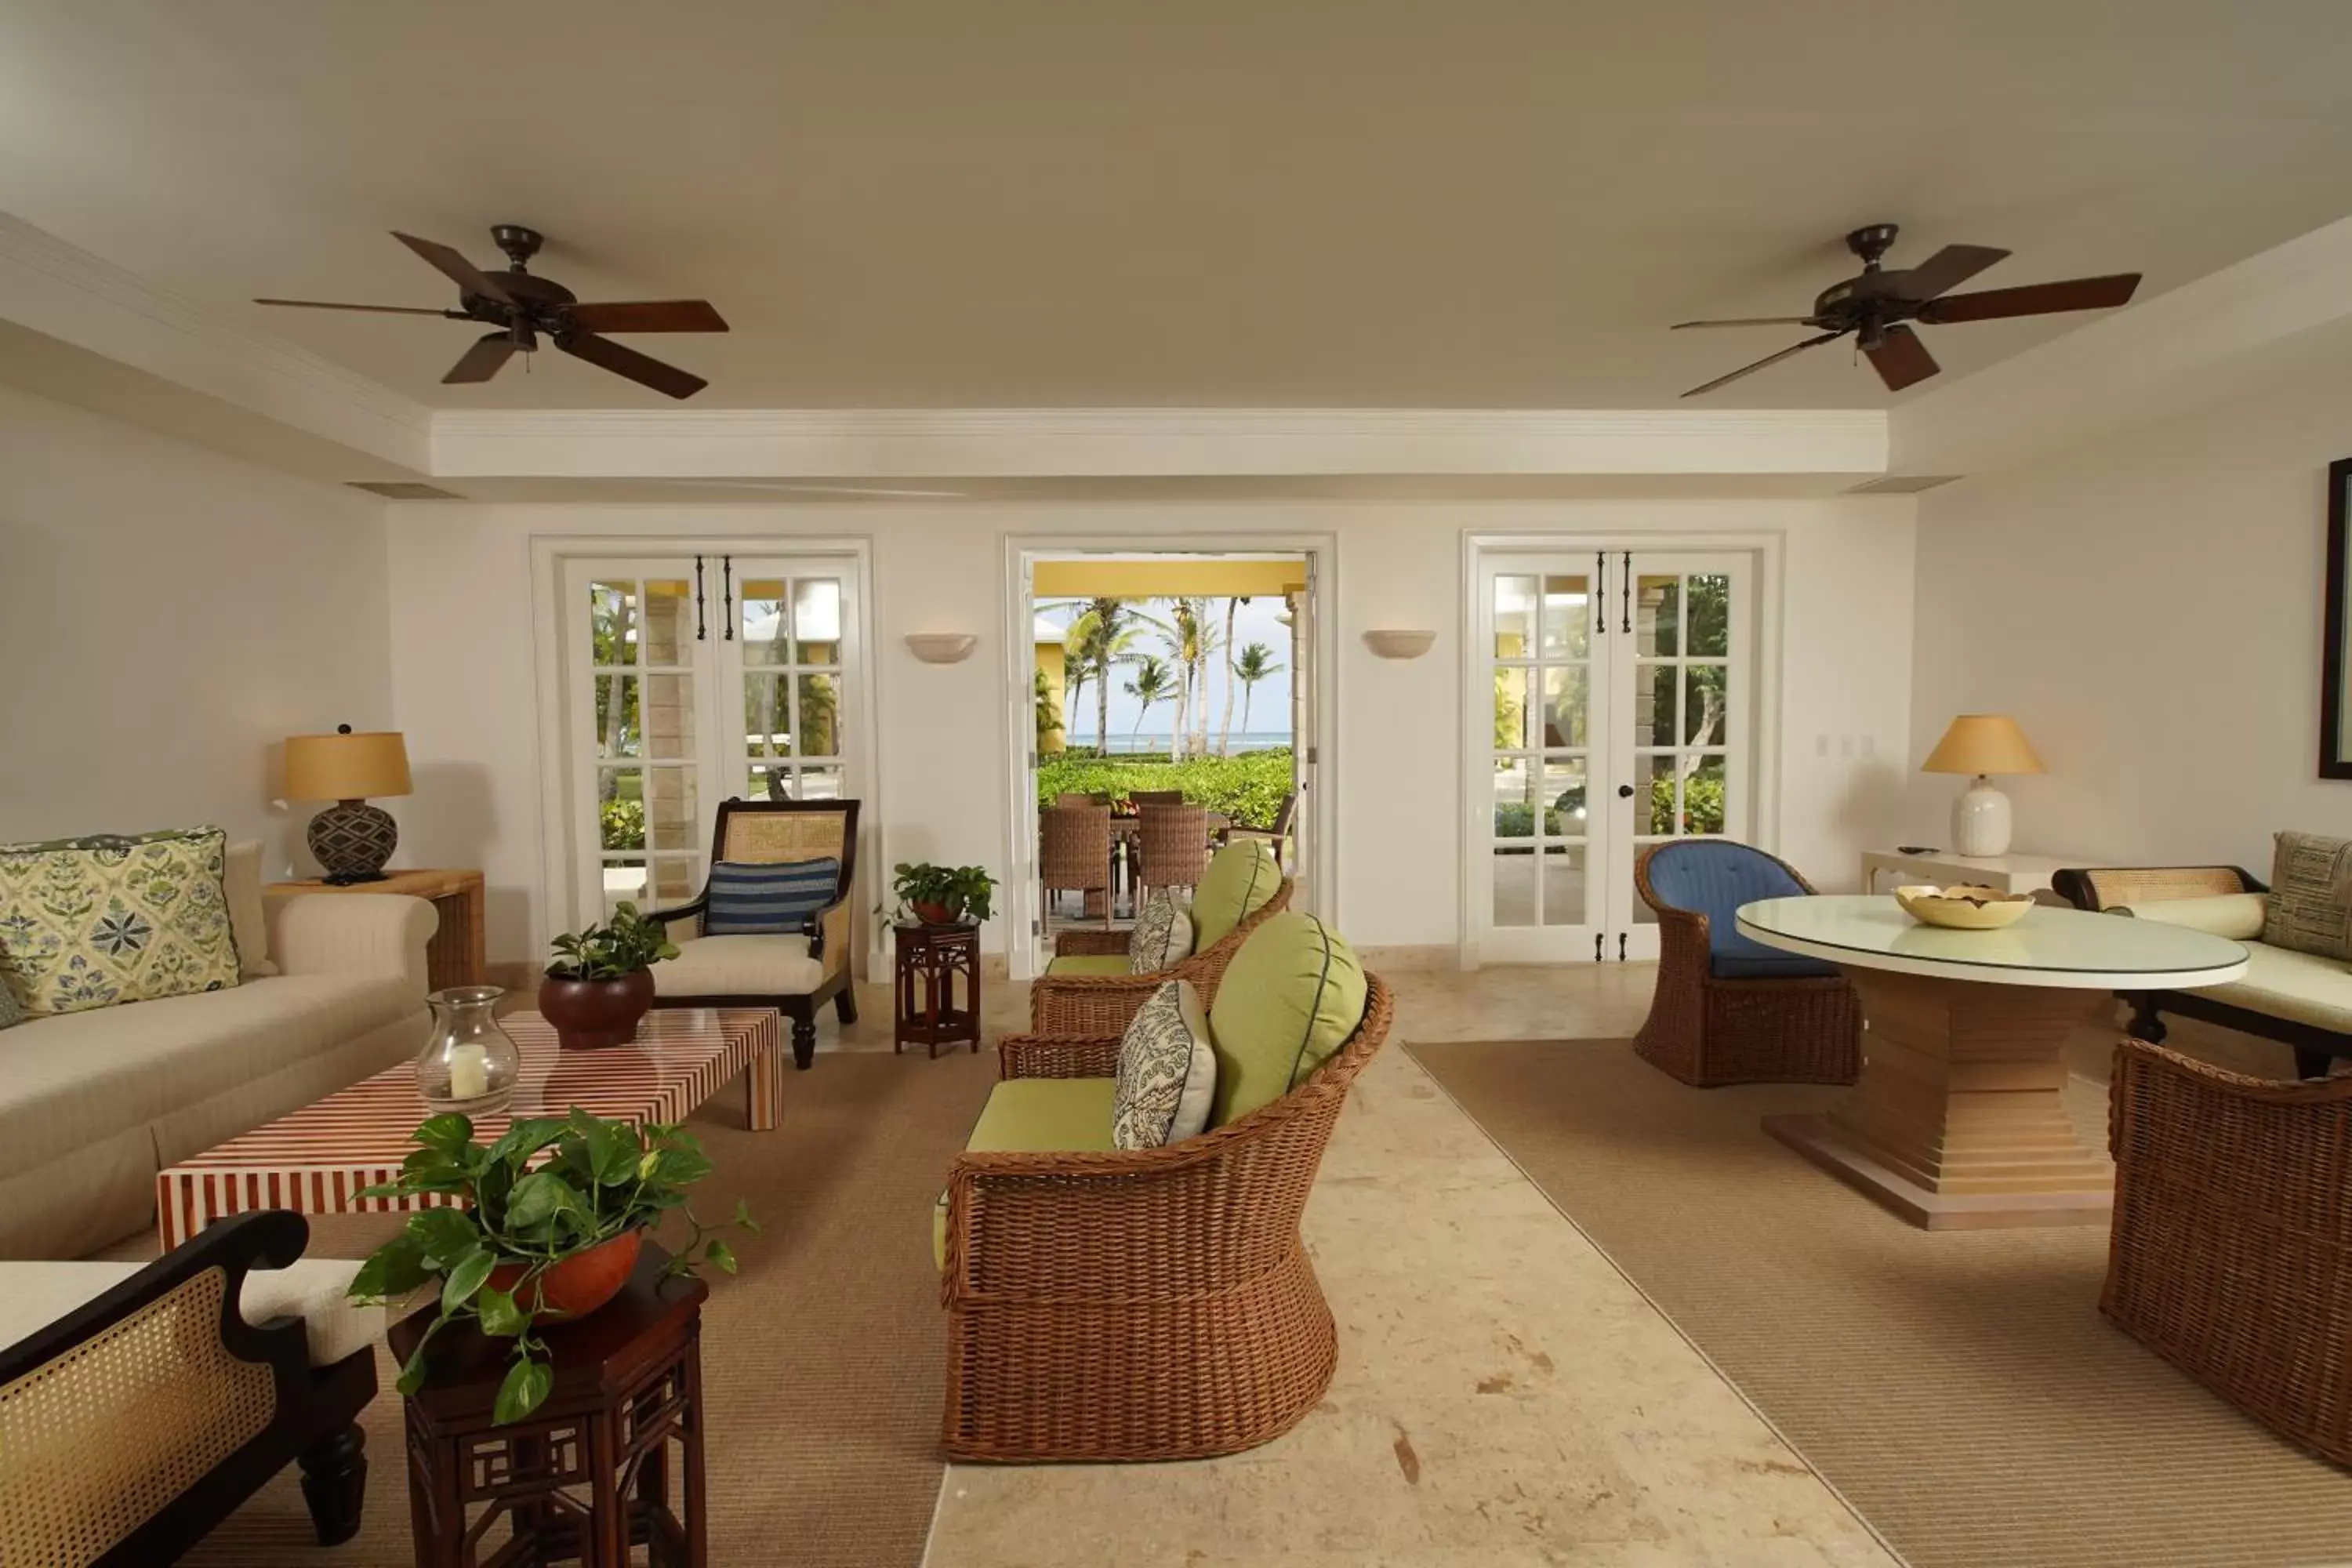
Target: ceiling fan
pixel 1875 306
pixel 525 308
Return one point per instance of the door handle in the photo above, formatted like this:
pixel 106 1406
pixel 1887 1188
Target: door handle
pixel 1625 792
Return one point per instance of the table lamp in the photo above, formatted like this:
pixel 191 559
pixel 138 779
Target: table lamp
pixel 350 839
pixel 1981 744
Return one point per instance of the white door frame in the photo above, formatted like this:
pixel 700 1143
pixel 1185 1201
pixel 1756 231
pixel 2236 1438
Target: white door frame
pixel 1321 874
pixel 1477 680
pixel 560 872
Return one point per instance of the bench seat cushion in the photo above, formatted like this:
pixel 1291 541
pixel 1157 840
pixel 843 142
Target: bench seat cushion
pixel 34 1295
pixel 2306 987
pixel 1035 1116
pixel 740 966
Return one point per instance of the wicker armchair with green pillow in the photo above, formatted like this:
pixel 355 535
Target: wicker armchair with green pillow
pixel 1154 1303
pixel 1090 988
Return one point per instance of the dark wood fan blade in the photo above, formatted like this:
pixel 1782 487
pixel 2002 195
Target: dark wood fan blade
pixel 643 369
pixel 2035 298
pixel 1900 358
pixel 1748 322
pixel 483 360
pixel 649 316
pixel 467 276
pixel 1947 268
pixel 1759 364
pixel 381 309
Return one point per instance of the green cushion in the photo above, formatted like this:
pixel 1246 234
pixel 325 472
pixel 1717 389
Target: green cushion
pixel 1035 1116
pixel 1238 882
pixel 1090 963
pixel 1292 996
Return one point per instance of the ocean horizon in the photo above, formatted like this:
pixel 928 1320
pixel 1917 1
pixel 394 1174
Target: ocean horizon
pixel 1160 740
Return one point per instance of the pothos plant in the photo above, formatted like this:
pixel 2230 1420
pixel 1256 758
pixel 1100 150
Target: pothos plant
pixel 595 1180
pixel 964 892
pixel 629 943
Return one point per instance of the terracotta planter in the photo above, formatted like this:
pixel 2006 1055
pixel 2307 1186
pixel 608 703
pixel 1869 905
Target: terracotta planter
pixel 578 1286
pixel 935 914
pixel 590 1015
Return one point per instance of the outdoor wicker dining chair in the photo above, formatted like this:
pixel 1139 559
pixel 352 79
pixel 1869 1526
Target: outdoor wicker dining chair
pixel 1174 847
pixel 1074 852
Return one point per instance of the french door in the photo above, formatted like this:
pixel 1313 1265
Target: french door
pixel 1613 697
pixel 689 679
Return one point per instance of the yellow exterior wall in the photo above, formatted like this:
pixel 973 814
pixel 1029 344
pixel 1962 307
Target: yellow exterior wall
pixel 1049 660
pixel 1167 579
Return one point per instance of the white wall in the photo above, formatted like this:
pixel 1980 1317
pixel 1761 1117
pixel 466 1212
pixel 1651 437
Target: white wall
pixel 2148 608
pixel 168 615
pixel 464 684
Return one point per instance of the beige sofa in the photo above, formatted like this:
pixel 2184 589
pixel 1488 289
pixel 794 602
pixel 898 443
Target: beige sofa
pixel 94 1104
pixel 2302 1000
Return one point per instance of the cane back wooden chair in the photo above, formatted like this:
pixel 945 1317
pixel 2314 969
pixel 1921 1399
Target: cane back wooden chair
pixel 1729 1010
pixel 1141 1304
pixel 795 973
pixel 2233 1226
pixel 1088 989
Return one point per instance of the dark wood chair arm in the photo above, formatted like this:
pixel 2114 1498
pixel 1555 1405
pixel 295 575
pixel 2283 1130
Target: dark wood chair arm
pixel 682 911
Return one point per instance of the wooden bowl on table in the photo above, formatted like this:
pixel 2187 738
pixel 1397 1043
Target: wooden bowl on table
pixel 1963 908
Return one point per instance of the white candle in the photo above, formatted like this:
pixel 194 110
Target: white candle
pixel 470 1072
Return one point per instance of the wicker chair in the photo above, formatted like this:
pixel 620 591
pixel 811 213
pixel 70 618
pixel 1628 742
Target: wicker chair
pixel 1074 850
pixel 1146 1304
pixel 1175 842
pixel 1143 797
pixel 1727 1010
pixel 1278 836
pixel 2233 1226
pixel 798 973
pixel 1106 1004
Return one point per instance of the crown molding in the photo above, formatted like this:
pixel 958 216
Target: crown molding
pixel 1158 442
pixel 69 294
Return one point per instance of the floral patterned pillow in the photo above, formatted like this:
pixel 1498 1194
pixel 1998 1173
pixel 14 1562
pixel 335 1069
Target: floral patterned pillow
pixel 1167 1071
pixel 89 922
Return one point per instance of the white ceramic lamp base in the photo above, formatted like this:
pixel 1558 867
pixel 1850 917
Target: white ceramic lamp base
pixel 1980 820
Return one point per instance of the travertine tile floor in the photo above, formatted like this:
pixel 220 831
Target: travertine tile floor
pixel 1504 1398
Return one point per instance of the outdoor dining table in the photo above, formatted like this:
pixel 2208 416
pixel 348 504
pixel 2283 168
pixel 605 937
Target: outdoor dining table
pixel 1957 1120
pixel 1125 832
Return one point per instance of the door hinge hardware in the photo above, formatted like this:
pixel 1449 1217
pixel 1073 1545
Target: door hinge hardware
pixel 727 575
pixel 1601 591
pixel 1626 592
pixel 701 631
pixel 1311 757
pixel 1597 953
pixel 1621 947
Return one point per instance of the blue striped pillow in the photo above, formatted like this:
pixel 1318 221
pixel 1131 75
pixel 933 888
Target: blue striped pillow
pixel 768 899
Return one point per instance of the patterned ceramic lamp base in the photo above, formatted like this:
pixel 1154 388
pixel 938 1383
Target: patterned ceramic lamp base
pixel 351 840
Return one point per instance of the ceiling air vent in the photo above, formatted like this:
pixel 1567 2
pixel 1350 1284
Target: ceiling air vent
pixel 403 489
pixel 1900 484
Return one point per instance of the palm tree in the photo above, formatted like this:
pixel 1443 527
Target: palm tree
pixel 1102 637
pixel 1225 730
pixel 1049 718
pixel 1254 665
pixel 1151 684
pixel 1190 640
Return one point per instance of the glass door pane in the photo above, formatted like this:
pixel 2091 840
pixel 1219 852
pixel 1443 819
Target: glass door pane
pixel 1536 901
pixel 792 745
pixel 642 774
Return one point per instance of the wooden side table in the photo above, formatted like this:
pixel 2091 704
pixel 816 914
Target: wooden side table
pixel 930 958
pixel 613 1460
pixel 458 955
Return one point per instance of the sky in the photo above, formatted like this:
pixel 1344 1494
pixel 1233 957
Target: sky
pixel 1269 703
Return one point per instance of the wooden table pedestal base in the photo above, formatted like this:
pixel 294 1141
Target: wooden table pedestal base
pixel 1957 1121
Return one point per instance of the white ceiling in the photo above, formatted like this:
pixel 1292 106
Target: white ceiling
pixel 1218 202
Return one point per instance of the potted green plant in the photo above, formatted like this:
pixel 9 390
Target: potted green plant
pixel 539 1240
pixel 602 981
pixel 942 895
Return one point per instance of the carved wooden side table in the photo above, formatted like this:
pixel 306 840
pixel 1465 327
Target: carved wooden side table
pixel 931 961
pixel 611 1462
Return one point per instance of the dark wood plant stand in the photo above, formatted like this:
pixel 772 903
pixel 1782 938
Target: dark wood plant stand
pixel 613 1459
pixel 931 959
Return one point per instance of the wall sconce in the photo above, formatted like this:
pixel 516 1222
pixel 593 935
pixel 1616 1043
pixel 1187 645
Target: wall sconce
pixel 941 648
pixel 1400 644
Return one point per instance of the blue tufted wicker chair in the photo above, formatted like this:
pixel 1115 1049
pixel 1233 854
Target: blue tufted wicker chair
pixel 1729 1010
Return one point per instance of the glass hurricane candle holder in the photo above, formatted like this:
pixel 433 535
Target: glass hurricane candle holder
pixel 469 1063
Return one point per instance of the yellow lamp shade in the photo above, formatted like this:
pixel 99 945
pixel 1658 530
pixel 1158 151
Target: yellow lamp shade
pixel 1982 744
pixel 346 766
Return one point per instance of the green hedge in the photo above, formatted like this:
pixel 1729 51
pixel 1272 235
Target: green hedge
pixel 1249 788
pixel 1702 805
pixel 623 823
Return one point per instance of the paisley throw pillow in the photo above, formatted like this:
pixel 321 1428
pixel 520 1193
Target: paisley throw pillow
pixel 1167 1073
pixel 1163 934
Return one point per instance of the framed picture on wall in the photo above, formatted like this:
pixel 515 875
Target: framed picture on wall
pixel 2335 724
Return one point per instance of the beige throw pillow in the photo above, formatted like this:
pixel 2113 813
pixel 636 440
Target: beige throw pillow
pixel 2310 906
pixel 241 881
pixel 1167 1072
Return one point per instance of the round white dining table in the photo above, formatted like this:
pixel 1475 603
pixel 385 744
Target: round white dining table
pixel 1957 1121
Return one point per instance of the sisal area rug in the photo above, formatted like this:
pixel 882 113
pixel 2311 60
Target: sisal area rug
pixel 1960 1389
pixel 822 1362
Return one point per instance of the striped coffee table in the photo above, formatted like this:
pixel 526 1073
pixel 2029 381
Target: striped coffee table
pixel 318 1159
